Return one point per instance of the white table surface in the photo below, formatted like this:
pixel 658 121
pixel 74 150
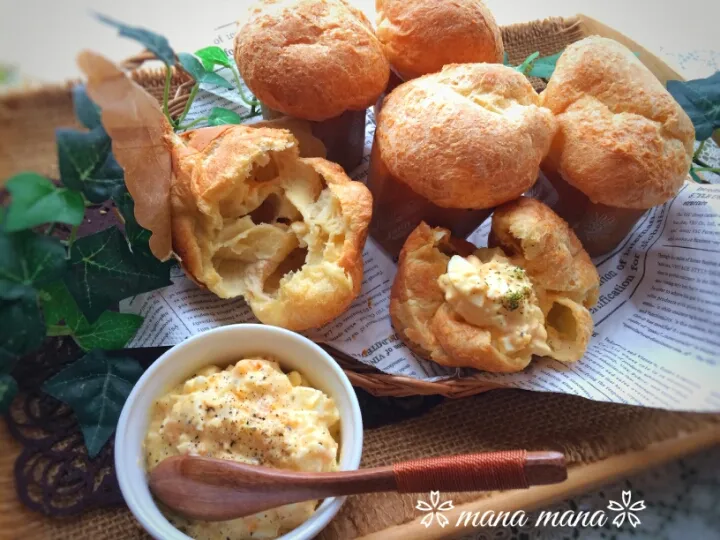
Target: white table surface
pixel 41 37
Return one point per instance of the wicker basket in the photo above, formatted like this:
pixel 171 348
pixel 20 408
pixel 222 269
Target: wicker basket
pixel 34 115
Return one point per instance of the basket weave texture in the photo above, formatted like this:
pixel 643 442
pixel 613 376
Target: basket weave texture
pixel 585 431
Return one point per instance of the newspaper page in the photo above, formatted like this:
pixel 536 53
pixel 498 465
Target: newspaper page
pixel 657 322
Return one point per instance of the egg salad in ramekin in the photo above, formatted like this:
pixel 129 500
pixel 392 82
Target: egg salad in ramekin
pixel 253 413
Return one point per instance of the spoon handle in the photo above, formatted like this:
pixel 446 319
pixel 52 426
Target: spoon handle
pixel 214 489
pixel 513 469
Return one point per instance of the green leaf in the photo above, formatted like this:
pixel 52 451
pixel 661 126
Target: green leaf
pixel 85 110
pixel 138 237
pixel 155 43
pixel 31 259
pixel 536 66
pixel 198 72
pixel 210 56
pixel 100 185
pixel 544 67
pixel 87 164
pixel 11 291
pixel 694 175
pixel 8 74
pixel 8 389
pixel 220 116
pixel 111 331
pixel 95 387
pixel 58 305
pixel 506 59
pixel 36 200
pixel 103 271
pixel 700 98
pixel 21 325
pixel 80 153
pixel 126 206
pixel 527 64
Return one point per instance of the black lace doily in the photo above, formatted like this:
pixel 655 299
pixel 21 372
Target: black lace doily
pixel 53 473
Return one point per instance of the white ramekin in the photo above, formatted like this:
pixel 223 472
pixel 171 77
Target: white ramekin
pixel 221 347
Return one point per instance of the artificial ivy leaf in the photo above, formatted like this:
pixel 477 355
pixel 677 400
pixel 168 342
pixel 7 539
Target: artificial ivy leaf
pixel 36 200
pixel 8 75
pixel 126 206
pixel 80 153
pixel 220 116
pixel 58 305
pixel 112 330
pixel 10 290
pixel 544 67
pixel 138 237
pixel 694 175
pixel 95 387
pixel 87 164
pixel 22 329
pixel 100 185
pixel 210 56
pixel 198 72
pixel 527 63
pixel 85 110
pixel 30 259
pixel 155 43
pixel 700 98
pixel 192 65
pixel 8 389
pixel 103 271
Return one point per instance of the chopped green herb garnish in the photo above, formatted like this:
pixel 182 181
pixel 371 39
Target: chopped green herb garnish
pixel 513 299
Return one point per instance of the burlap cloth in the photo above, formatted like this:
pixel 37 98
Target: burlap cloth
pixel 504 419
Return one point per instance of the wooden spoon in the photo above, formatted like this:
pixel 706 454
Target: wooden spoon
pixel 217 490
